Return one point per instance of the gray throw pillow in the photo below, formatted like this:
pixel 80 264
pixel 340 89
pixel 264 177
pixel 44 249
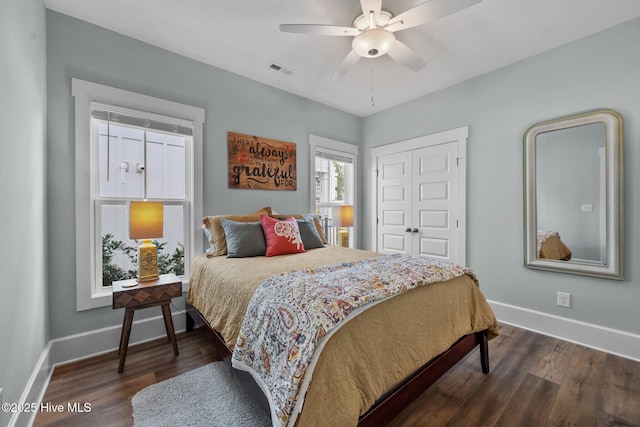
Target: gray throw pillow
pixel 309 233
pixel 244 239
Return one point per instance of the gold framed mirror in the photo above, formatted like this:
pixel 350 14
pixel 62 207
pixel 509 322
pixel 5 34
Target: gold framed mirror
pixel 573 194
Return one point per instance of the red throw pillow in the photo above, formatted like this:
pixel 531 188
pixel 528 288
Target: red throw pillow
pixel 282 236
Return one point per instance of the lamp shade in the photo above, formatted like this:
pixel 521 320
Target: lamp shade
pixel 343 216
pixel 145 220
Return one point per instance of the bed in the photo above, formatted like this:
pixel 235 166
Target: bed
pixel 375 363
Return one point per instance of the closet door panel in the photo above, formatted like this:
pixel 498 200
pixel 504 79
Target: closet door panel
pixel 394 203
pixel 435 201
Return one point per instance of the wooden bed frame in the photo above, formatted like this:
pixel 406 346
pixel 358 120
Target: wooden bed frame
pixel 395 400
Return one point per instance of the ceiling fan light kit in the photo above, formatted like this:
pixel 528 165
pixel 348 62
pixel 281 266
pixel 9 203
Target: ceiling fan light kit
pixel 373 43
pixel 373 31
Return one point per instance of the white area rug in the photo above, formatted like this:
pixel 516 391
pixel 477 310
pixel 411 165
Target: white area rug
pixel 209 396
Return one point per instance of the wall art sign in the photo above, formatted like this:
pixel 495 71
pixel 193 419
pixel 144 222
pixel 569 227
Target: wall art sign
pixel 261 164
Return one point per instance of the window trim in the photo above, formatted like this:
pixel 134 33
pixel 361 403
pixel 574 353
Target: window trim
pixel 88 296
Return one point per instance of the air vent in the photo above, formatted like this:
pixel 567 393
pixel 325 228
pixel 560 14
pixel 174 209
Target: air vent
pixel 277 67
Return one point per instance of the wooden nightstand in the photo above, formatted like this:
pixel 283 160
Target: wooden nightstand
pixel 132 296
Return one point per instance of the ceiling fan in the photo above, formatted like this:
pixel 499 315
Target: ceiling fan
pixel 373 31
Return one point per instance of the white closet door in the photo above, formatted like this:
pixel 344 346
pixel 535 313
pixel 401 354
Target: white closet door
pixel 435 195
pixel 394 203
pixel 420 205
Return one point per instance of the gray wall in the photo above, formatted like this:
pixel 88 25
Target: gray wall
pixel 232 103
pixel 23 305
pixel 595 72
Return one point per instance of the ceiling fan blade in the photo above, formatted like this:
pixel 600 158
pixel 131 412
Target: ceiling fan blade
pixel 346 65
pixel 374 6
pixel 320 30
pixel 427 12
pixel 406 56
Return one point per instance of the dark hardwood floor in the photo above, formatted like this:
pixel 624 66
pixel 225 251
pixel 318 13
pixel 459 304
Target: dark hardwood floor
pixel 97 381
pixel 535 380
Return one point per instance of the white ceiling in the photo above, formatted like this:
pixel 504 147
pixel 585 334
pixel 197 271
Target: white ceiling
pixel 243 36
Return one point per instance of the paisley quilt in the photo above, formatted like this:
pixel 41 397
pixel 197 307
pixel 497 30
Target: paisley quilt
pixel 291 316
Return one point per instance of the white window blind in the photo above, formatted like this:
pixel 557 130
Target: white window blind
pixel 334 155
pixel 144 119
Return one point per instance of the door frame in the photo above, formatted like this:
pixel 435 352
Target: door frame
pixel 458 136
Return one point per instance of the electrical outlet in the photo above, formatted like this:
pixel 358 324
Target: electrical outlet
pixel 564 299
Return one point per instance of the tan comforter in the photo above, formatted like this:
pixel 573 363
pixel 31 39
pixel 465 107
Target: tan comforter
pixel 554 248
pixel 369 354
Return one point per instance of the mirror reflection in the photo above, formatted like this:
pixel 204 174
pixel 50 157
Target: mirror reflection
pixel 572 194
pixel 570 189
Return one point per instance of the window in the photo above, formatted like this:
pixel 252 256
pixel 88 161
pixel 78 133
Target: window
pixel 132 147
pixel 333 185
pixel 137 160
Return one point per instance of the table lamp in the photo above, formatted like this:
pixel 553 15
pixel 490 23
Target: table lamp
pixel 146 222
pixel 343 217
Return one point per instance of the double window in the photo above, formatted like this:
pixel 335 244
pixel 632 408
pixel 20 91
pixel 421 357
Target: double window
pixel 132 147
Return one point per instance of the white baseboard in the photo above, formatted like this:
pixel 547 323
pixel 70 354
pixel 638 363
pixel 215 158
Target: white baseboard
pixel 92 343
pixel 601 338
pixel 34 391
pixel 81 346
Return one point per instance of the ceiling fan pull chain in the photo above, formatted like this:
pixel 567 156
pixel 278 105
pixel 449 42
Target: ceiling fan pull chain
pixel 373 100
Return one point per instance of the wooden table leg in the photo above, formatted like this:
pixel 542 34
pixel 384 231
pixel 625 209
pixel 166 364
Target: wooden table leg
pixel 124 321
pixel 168 324
pixel 124 337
